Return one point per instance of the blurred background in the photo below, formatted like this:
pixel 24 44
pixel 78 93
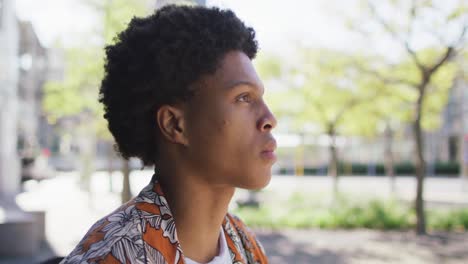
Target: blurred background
pixel 371 99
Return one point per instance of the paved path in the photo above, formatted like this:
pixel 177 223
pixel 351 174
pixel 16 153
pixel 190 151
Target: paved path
pixel 363 246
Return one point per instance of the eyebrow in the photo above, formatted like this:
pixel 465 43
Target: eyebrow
pixel 247 83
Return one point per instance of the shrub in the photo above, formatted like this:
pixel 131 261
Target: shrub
pixel 301 211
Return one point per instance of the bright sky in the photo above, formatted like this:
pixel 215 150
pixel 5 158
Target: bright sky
pixel 54 19
pixel 278 23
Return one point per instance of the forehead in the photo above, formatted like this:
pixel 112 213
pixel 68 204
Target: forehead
pixel 235 67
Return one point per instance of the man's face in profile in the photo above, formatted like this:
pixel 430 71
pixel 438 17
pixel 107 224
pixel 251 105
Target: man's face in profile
pixel 229 126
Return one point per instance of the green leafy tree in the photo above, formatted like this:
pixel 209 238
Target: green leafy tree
pixel 324 90
pixel 425 72
pixel 77 94
pixel 381 116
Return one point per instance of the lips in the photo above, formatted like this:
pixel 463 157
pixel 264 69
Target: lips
pixel 270 146
pixel 268 151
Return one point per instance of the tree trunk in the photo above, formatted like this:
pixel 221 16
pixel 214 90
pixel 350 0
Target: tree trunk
pixel 464 161
pixel 300 163
pixel 87 154
pixel 87 150
pixel 420 165
pixel 333 163
pixel 388 156
pixel 126 193
pixel 110 169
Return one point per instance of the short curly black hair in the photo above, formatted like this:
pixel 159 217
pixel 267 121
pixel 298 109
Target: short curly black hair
pixel 156 60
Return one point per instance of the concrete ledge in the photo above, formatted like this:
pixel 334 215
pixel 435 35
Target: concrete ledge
pixel 39 218
pixel 19 238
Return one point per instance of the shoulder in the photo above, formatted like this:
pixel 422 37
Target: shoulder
pixel 139 230
pixel 246 237
pixel 239 225
pixel 111 239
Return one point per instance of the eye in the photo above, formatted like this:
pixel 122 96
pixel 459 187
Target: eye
pixel 245 98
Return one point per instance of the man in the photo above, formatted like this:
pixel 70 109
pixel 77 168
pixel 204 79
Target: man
pixel 180 93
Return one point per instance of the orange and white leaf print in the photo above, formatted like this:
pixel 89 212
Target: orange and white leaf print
pixel 143 231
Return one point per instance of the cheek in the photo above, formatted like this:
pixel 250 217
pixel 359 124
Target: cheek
pixel 206 130
pixel 236 127
pixel 223 135
pixel 230 134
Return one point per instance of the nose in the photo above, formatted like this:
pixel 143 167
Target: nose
pixel 268 120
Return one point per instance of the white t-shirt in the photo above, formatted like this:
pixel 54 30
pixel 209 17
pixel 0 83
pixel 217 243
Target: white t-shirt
pixel 223 256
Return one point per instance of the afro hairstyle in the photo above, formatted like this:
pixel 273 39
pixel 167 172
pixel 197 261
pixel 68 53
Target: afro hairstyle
pixel 155 61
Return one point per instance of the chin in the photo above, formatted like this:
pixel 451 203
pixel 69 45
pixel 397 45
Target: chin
pixel 257 181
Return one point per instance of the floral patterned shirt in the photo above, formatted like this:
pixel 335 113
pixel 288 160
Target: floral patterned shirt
pixel 143 231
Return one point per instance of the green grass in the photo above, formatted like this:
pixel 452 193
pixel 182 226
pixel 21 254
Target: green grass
pixel 345 212
pixel 448 220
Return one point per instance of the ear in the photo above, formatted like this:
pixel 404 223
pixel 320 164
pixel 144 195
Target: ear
pixel 171 122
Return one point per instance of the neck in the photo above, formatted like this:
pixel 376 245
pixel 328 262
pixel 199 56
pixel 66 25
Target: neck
pixel 198 208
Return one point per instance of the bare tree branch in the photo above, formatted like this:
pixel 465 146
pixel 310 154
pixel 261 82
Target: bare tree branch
pixel 413 55
pixel 449 52
pixel 392 33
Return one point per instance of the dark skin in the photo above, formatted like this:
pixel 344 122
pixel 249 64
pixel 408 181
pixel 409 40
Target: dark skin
pixel 217 141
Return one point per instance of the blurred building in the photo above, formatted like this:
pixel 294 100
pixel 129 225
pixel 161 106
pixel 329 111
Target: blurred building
pixel 454 131
pixel 20 232
pixel 55 64
pixel 32 76
pixel 9 37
